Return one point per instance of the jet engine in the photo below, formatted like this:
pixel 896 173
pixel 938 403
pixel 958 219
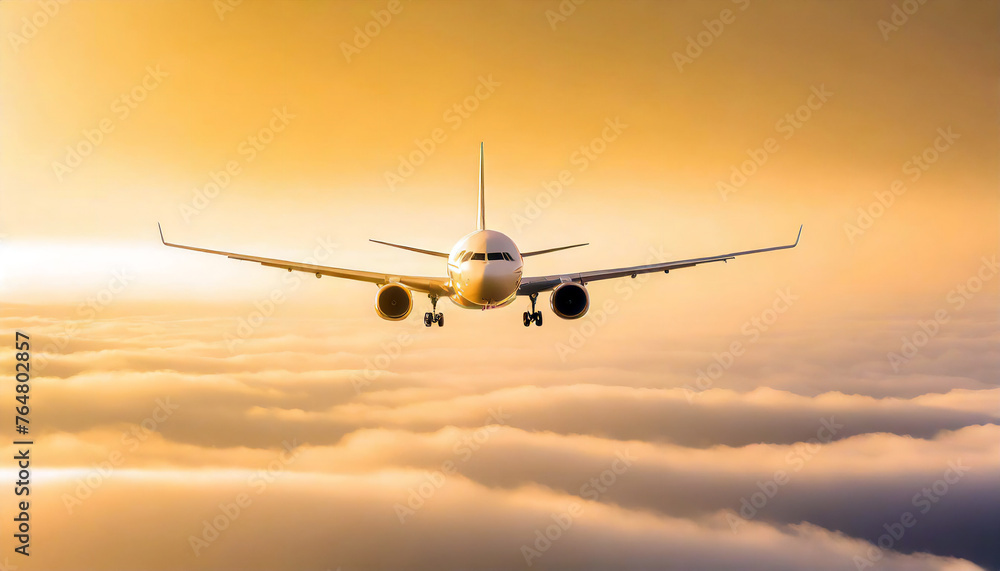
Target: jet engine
pixel 570 300
pixel 393 302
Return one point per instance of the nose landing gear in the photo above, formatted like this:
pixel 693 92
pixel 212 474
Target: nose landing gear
pixel 535 316
pixel 432 317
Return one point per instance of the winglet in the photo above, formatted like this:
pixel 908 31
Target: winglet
pixel 481 222
pixel 161 233
pixel 799 236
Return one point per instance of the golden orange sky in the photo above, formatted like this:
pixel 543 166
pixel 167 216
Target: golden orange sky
pixel 289 129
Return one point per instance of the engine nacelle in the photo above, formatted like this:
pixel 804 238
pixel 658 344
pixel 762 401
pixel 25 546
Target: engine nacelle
pixel 570 300
pixel 393 302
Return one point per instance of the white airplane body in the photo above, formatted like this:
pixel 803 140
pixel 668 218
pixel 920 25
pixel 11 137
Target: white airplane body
pixel 484 272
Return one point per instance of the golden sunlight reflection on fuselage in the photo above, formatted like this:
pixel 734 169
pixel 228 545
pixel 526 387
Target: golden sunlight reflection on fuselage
pixel 481 282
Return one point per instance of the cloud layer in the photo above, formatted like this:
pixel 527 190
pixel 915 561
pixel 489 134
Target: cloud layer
pixel 459 475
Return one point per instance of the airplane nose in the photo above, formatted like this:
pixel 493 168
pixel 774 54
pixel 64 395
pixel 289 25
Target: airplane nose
pixel 492 283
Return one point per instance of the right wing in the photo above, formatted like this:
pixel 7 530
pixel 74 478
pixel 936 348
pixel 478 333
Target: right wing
pixel 544 283
pixel 435 286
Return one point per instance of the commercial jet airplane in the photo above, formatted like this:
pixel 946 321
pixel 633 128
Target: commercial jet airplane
pixel 484 272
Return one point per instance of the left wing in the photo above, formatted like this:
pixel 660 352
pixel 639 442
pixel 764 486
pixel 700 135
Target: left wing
pixel 544 283
pixel 436 286
pixel 537 252
pixel 412 249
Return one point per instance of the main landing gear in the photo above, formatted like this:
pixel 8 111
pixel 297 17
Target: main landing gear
pixel 432 317
pixel 535 316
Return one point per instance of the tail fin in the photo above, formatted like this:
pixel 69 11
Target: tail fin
pixel 481 222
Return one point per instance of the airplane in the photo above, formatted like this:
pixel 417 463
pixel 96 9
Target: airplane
pixel 484 272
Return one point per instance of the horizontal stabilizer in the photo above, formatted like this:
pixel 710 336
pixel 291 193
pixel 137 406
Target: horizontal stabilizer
pixel 412 249
pixel 536 252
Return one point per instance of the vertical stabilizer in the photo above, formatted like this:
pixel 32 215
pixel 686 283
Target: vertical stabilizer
pixel 481 221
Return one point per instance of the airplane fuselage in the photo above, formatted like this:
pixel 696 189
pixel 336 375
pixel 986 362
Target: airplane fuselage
pixel 485 270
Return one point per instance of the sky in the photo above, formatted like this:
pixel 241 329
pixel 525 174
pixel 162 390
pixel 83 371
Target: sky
pixel 832 406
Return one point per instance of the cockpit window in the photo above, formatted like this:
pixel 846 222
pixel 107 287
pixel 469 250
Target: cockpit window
pixel 494 256
pixel 508 257
pixel 479 256
pixel 466 257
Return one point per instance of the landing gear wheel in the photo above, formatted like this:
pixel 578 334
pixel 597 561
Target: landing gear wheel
pixel 533 315
pixel 432 316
